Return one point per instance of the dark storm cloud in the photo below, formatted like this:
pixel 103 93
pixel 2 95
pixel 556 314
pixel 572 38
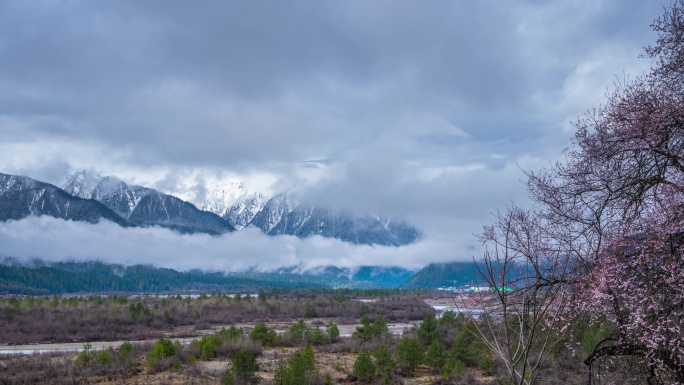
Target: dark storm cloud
pixel 425 110
pixel 249 81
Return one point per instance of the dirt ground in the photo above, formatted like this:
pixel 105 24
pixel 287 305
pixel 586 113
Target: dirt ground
pixel 339 365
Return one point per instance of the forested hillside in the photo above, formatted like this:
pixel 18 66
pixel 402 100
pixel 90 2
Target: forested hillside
pixel 436 275
pixel 92 277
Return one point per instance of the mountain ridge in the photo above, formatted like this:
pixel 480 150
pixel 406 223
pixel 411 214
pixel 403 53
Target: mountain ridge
pixel 134 205
pixel 444 275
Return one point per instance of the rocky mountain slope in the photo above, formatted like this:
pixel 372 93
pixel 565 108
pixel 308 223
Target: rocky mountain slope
pixel 308 220
pixel 21 196
pixel 243 212
pixel 168 211
pixel 273 212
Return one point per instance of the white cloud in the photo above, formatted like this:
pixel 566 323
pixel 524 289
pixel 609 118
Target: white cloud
pixel 53 239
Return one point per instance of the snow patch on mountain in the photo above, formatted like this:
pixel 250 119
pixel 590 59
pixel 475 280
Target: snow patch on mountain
pixel 107 186
pixel 241 213
pixel 273 212
pixel 16 182
pixel 110 190
pixel 222 196
pixel 81 184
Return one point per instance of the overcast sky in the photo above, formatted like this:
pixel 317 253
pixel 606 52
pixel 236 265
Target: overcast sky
pixel 425 110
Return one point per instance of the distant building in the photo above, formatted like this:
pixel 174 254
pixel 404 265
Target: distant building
pixel 477 289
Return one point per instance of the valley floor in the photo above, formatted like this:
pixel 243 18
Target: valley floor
pixel 346 330
pixel 38 361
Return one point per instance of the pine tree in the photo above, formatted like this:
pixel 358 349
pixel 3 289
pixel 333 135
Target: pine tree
pixel 333 332
pixel 365 331
pixel 379 328
pixel 280 374
pixel 384 362
pixel 245 366
pixel 297 370
pixel 309 358
pixel 436 354
pixel 364 367
pixel 427 332
pixel 409 353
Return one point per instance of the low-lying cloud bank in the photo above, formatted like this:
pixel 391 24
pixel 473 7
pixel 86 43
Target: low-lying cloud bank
pixel 54 239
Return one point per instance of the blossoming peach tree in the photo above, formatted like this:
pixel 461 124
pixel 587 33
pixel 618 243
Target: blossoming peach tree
pixel 605 236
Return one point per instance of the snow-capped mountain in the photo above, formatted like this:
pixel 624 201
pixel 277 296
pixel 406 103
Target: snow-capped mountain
pixel 308 220
pixel 119 196
pixel 242 213
pixel 164 210
pixel 21 196
pixel 222 197
pixel 273 212
pixel 109 190
pixel 232 201
pixel 81 184
pixel 144 206
pixel 130 205
pixel 295 222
